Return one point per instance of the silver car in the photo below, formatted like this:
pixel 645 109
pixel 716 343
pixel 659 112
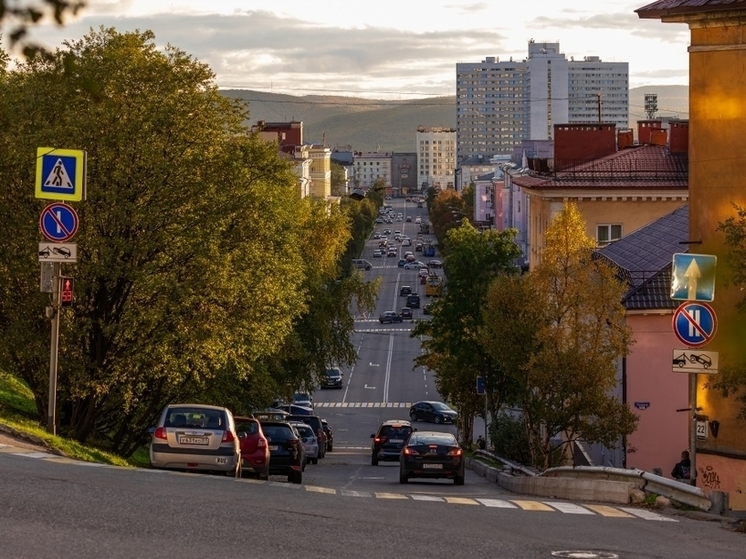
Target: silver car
pixel 309 440
pixel 196 437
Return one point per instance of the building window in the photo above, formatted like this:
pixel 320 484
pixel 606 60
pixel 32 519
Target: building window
pixel 608 233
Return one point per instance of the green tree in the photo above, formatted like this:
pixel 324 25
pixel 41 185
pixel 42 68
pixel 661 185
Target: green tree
pixel 23 15
pixel 560 331
pixel 192 260
pixel 447 211
pixel 452 346
pixel 338 180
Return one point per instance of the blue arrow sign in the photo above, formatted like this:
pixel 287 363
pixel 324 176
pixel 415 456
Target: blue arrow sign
pixel 694 324
pixel 58 222
pixel 693 277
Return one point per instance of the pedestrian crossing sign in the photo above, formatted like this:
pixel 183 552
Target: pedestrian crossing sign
pixel 60 174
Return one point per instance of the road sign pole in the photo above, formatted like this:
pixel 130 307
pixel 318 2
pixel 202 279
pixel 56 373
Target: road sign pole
pixel 53 346
pixel 693 428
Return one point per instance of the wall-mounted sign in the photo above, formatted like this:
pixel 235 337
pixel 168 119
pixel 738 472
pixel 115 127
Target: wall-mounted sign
pixel 642 405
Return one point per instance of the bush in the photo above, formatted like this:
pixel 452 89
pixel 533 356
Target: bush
pixel 508 436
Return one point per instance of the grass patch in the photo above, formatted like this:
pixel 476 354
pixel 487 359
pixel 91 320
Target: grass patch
pixel 18 410
pixel 488 461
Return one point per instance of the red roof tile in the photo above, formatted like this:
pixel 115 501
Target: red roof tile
pixel 644 167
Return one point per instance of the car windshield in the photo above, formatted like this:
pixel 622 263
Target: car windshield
pixel 195 417
pixel 401 432
pixel 304 430
pixel 432 438
pixel 440 406
pixel 249 427
pixel 278 432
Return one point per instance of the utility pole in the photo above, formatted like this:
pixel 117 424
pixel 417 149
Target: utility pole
pixel 53 312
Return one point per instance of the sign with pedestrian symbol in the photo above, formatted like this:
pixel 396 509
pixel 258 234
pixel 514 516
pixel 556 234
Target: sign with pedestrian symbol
pixel 60 174
pixel 694 324
pixel 693 277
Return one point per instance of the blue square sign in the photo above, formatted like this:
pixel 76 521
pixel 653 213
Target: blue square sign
pixel 693 277
pixel 60 174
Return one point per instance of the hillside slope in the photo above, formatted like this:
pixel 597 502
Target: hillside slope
pixel 367 124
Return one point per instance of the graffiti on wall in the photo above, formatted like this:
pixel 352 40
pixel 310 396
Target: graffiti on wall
pixel 709 477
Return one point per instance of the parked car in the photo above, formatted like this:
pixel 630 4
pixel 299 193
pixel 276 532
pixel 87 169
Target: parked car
pixel 437 412
pixel 286 456
pixel 427 308
pixel 293 409
pixel 315 422
pixel 389 317
pixel 401 262
pixel 406 314
pixel 254 447
pixel 196 437
pixel 309 440
pixel 329 435
pixel 432 455
pixel 332 378
pixel 389 439
pixel 378 253
pixel 435 264
pixel 303 399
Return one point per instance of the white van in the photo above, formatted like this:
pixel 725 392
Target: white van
pixel 361 264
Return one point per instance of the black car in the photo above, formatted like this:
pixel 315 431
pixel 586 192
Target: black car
pixel 390 317
pixel 315 422
pixel 427 308
pixel 432 455
pixel 437 412
pixel 332 378
pixel 286 456
pixel 329 435
pixel 406 314
pixel 405 290
pixel 413 301
pixel 389 440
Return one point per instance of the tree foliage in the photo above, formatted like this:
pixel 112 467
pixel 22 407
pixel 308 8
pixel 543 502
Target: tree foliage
pixel 452 345
pixel 559 332
pixel 195 271
pixel 22 14
pixel 447 210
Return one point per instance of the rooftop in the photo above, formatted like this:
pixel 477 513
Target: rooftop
pixel 664 8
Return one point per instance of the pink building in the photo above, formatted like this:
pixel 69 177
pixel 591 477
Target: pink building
pixel 650 387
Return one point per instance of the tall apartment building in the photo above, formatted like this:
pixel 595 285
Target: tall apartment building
pixel 371 166
pixel 500 104
pixel 436 157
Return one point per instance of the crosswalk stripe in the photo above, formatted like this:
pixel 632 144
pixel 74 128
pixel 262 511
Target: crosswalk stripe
pixel 350 493
pixel 604 510
pixel 32 454
pixel 499 503
pixel 377 405
pixel 362 405
pixel 647 515
pixel 390 496
pixel 568 508
pixel 427 498
pixel 460 501
pixel 317 489
pixel 532 505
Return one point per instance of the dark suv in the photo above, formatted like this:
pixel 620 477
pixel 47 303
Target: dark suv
pixel 388 441
pixel 285 450
pixel 332 378
pixel 315 422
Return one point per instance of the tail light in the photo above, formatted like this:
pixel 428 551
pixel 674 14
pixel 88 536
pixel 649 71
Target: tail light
pixel 409 451
pixel 160 433
pixel 455 452
pixel 261 444
pixel 319 434
pixel 228 437
pixel 379 440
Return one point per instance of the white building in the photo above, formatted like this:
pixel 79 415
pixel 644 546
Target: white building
pixel 499 104
pixel 436 157
pixel 372 166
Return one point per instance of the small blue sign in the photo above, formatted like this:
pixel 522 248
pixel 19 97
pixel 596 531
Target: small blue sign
pixel 694 324
pixel 693 277
pixel 58 222
pixel 480 386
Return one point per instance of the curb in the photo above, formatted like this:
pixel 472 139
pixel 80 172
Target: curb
pixel 33 439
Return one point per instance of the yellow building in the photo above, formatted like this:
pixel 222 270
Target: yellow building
pixel 717 181
pixel 321 171
pixel 617 186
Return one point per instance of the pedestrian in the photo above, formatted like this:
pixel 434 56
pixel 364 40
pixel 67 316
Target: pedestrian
pixel 683 470
pixel 481 444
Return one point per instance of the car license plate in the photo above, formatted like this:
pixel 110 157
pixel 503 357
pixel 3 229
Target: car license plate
pixel 193 440
pixel 273 447
pixel 396 441
pixel 221 460
pixel 432 466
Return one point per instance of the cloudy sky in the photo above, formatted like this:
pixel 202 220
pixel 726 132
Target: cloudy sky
pixel 386 49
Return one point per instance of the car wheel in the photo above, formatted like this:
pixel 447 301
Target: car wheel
pixel 403 478
pixel 264 476
pixel 458 480
pixel 330 447
pixel 437 419
pixel 374 460
pixel 315 461
pixel 297 478
pixel 413 416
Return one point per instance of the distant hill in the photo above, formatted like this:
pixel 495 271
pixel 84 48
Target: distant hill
pixel 367 125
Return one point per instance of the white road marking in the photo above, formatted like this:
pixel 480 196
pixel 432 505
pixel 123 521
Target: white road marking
pixel 568 508
pixel 427 498
pixel 647 515
pixel 388 370
pixel 498 503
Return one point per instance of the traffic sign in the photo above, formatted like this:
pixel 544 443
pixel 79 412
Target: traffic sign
pixel 58 222
pixel 697 361
pixel 694 324
pixel 702 430
pixel 60 174
pixel 693 277
pixel 480 386
pixel 58 252
pixel 66 292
